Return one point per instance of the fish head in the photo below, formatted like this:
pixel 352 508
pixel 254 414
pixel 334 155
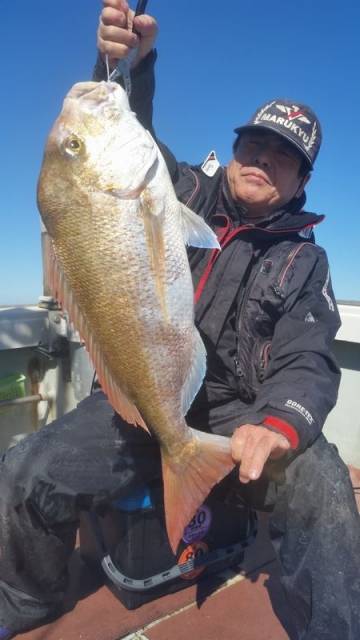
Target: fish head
pixel 96 146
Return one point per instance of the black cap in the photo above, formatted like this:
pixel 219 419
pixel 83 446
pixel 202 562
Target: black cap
pixel 295 122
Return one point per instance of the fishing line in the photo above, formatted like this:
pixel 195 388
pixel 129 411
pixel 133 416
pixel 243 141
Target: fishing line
pixel 107 68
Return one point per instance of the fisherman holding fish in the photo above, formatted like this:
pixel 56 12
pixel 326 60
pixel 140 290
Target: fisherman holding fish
pixel 248 387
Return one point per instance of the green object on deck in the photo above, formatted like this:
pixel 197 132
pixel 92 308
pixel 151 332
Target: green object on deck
pixel 12 386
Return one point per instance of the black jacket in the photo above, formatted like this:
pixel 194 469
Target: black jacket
pixel 272 283
pixel 265 306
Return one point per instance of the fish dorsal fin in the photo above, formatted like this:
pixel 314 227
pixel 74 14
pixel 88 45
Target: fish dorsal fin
pixel 196 373
pixel 63 293
pixel 195 230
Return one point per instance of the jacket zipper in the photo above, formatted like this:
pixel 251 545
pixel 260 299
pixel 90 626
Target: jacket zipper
pixel 264 359
pixel 292 255
pixel 264 354
pixel 196 189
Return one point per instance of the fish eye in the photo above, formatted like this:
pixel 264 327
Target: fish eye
pixel 73 145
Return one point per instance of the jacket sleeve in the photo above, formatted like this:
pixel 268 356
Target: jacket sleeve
pixel 141 100
pixel 302 378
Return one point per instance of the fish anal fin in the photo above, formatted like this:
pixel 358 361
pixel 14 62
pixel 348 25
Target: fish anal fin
pixel 186 489
pixel 62 291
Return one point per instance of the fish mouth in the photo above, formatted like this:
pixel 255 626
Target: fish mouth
pixel 98 91
pixel 95 97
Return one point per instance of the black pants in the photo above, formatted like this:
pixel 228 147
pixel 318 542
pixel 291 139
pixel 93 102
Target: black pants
pixel 90 455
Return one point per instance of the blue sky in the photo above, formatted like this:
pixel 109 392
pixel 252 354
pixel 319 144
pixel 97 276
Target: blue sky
pixel 217 63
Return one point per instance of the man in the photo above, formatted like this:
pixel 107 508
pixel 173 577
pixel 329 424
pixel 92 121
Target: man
pixel 267 315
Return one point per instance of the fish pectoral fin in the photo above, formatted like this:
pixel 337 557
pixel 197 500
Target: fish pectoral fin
pixel 62 292
pixel 185 489
pixel 195 230
pixel 196 373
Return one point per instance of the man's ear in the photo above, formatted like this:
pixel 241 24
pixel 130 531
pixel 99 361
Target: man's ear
pixel 302 185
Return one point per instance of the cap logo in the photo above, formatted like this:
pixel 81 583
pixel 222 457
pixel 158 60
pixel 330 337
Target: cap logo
pixel 293 113
pixel 290 120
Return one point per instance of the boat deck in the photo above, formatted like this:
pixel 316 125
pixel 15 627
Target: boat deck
pixel 245 601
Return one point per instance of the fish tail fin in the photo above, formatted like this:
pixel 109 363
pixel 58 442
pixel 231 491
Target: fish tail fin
pixel 186 489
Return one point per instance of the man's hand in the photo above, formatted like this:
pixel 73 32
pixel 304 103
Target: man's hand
pixel 115 37
pixel 252 445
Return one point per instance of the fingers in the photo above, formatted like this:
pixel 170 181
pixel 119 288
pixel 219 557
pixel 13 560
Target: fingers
pixel 115 42
pixel 119 5
pixel 113 18
pixel 115 36
pixel 146 27
pixel 252 446
pixel 252 449
pixel 255 454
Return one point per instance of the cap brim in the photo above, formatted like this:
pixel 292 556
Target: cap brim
pixel 269 127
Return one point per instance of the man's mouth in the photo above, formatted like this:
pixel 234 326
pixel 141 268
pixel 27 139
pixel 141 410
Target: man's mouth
pixel 257 177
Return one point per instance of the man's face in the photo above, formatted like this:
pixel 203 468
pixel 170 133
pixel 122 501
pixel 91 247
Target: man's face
pixel 264 173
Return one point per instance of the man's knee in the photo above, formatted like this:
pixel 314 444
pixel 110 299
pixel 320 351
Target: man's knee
pixel 320 463
pixel 13 472
pixel 318 486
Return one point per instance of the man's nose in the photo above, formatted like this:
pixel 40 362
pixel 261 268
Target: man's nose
pixel 262 157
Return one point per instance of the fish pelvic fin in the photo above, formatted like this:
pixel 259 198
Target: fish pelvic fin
pixel 195 230
pixel 62 291
pixel 187 484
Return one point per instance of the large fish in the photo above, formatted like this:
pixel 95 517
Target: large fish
pixel 119 266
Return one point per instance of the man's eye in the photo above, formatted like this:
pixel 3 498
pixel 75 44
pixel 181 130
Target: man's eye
pixel 252 146
pixel 286 155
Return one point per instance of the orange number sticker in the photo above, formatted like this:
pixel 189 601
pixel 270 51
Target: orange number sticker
pixel 194 550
